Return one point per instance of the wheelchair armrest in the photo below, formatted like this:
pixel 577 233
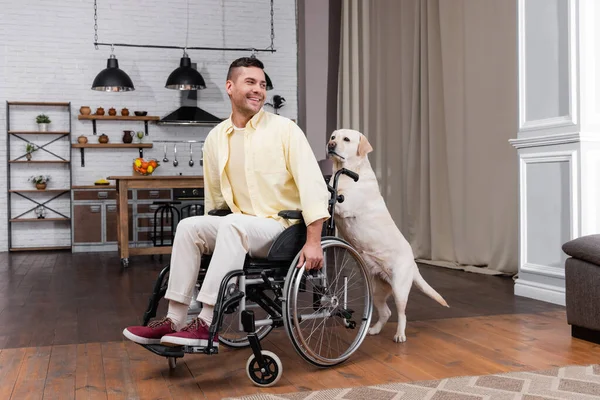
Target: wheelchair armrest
pixel 219 213
pixel 290 214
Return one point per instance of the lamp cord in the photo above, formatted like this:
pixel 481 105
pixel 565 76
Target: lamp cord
pixel 187 29
pixel 272 27
pixel 96 25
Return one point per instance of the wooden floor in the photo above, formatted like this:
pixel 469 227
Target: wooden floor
pixel 62 314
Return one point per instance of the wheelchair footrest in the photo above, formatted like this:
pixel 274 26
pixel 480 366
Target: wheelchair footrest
pixel 165 351
pixel 179 351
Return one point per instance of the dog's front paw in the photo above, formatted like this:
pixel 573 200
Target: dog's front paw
pixel 399 338
pixel 374 330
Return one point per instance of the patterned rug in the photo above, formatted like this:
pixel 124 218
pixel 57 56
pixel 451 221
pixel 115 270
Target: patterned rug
pixel 571 382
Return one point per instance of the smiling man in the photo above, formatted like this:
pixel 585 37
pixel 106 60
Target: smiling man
pixel 255 164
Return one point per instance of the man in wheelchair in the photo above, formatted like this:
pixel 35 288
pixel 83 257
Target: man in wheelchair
pixel 256 164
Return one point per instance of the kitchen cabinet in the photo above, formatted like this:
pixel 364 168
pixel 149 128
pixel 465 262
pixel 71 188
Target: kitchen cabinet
pixel 87 226
pixel 95 219
pixel 111 223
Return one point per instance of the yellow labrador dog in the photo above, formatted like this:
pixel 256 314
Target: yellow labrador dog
pixel 365 222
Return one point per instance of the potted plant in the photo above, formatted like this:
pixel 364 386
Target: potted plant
pixel 40 181
pixel 42 121
pixel 30 148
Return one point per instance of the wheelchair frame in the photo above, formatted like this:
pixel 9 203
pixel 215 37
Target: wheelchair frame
pixel 255 278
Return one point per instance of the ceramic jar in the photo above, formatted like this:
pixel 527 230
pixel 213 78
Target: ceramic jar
pixel 100 111
pixel 82 139
pixel 125 112
pixel 85 110
pixel 127 136
pixel 103 138
pixel 112 112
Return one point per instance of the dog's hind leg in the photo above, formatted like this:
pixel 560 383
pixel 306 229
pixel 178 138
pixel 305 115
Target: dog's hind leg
pixel 401 289
pixel 381 292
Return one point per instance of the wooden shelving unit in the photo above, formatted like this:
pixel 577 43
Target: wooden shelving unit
pixel 118 117
pixel 21 159
pixel 39 219
pixel 38 190
pixel 36 133
pixel 145 119
pixel 83 146
pixel 39 162
pixel 112 145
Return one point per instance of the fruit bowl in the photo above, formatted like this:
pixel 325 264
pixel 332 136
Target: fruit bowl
pixel 144 167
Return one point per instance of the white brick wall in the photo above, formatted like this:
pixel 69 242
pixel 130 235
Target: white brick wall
pixel 47 54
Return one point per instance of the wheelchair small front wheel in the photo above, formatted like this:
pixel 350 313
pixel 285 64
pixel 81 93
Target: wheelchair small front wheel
pixel 172 362
pixel 267 376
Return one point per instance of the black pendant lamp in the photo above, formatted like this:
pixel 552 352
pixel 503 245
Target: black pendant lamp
pixel 185 77
pixel 269 83
pixel 112 79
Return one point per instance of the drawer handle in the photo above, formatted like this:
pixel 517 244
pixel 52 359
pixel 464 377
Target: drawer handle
pixel 111 208
pixel 102 195
pixel 154 193
pixel 153 207
pixel 95 209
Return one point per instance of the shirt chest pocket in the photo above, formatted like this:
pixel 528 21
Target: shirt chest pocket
pixel 269 159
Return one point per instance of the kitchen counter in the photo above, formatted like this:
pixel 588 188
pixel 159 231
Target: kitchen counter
pixel 126 182
pixel 98 187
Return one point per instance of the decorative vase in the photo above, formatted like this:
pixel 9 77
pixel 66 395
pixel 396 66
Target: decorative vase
pixel 41 186
pixel 112 112
pixel 28 156
pixel 43 127
pixel 85 110
pixel 82 139
pixel 103 138
pixel 127 136
pixel 100 111
pixel 125 112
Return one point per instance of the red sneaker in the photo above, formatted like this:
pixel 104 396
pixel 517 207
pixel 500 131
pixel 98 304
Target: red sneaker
pixel 150 334
pixel 193 334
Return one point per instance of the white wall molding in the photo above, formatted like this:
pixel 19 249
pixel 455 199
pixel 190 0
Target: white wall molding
pixel 543 270
pixel 559 121
pixel 531 288
pixel 540 291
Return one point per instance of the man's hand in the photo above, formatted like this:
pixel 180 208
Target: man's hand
pixel 312 253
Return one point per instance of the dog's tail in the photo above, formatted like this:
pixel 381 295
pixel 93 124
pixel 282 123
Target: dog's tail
pixel 420 282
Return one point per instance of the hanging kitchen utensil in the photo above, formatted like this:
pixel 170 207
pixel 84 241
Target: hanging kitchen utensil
pixel 165 159
pixel 191 161
pixel 175 162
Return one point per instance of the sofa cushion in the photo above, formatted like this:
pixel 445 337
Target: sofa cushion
pixel 585 248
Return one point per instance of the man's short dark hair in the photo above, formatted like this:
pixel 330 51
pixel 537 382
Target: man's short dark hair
pixel 244 62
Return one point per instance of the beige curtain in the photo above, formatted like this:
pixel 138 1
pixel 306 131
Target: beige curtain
pixel 433 85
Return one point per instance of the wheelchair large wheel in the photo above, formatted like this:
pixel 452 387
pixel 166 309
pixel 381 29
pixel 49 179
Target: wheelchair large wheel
pixel 327 312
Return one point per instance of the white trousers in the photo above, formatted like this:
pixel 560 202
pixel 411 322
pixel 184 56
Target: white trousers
pixel 228 238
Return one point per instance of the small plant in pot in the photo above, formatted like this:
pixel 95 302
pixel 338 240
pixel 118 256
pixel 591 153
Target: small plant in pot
pixel 40 181
pixel 30 148
pixel 43 121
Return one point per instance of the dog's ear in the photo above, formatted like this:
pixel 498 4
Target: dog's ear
pixel 364 147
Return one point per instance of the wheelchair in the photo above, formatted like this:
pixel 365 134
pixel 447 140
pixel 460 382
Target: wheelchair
pixel 326 313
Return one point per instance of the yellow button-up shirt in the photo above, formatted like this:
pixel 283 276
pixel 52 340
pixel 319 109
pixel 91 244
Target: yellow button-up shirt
pixel 281 170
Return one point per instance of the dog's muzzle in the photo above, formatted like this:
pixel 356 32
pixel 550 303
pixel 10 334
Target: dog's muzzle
pixel 331 150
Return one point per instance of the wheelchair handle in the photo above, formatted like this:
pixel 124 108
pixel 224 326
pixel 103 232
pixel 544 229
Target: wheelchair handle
pixel 351 174
pixel 335 198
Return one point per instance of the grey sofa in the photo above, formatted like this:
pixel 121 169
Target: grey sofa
pixel 582 287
